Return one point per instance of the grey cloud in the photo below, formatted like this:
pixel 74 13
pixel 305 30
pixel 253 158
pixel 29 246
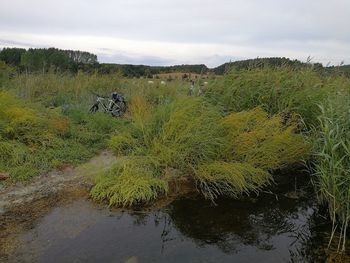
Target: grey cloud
pixel 259 25
pixel 8 42
pixel 124 58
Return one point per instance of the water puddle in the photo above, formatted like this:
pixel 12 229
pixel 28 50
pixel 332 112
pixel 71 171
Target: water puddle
pixel 273 227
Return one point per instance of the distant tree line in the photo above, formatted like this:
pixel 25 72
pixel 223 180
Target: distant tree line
pixel 148 71
pixel 43 59
pixel 275 62
pixel 342 69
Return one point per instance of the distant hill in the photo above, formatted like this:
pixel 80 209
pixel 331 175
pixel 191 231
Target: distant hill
pixel 344 69
pixel 258 62
pixel 143 70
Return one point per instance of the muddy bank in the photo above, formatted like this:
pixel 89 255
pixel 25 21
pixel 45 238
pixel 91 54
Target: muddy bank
pixel 22 204
pixel 54 182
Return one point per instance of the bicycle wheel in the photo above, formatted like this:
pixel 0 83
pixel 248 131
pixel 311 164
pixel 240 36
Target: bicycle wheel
pixel 118 109
pixel 94 108
pixel 122 107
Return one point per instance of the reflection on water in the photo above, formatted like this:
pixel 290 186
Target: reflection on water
pixel 273 227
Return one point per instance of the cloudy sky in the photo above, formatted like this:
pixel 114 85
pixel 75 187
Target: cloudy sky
pixel 164 32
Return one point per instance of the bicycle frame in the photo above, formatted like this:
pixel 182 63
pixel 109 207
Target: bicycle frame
pixel 106 108
pixel 116 108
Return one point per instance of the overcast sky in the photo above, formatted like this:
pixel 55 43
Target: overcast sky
pixel 164 32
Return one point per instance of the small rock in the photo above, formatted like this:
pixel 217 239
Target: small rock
pixel 4 176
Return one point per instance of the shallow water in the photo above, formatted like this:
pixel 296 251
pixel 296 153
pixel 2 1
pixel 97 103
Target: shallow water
pixel 272 227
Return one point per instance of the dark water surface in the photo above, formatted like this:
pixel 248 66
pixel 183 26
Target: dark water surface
pixel 271 227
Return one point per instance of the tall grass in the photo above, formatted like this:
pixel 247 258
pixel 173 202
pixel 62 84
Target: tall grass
pixel 34 139
pixel 65 90
pixel 266 142
pixel 44 117
pixel 54 90
pixel 296 93
pixel 130 182
pixel 281 90
pixel 188 137
pixel 332 165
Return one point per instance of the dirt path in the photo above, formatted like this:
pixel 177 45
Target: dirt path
pixel 53 182
pixel 22 204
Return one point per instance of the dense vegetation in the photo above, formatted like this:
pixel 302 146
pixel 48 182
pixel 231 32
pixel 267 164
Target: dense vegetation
pixel 44 124
pixel 322 101
pixel 248 124
pixel 332 164
pixel 187 137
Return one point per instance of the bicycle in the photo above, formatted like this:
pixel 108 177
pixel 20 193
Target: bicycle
pixel 115 106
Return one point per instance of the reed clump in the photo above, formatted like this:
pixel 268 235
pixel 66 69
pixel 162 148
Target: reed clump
pixel 130 182
pixel 283 90
pixel 229 155
pixel 266 142
pixel 255 144
pixel 332 162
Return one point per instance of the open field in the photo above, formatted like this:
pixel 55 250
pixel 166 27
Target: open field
pixel 182 75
